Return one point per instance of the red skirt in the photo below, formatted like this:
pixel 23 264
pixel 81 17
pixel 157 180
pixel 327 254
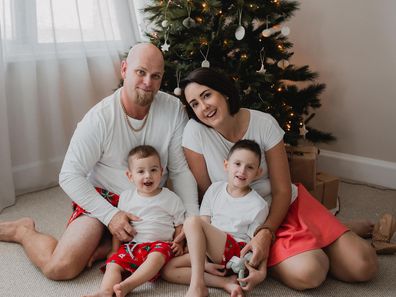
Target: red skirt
pixel 308 225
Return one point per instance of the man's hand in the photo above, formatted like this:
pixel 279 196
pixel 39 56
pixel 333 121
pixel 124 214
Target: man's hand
pixel 255 276
pixel 121 227
pixel 215 269
pixel 259 246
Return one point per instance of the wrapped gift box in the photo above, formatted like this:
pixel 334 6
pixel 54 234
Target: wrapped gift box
pixel 302 164
pixel 326 191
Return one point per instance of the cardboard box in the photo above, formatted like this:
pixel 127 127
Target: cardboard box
pixel 302 164
pixel 326 191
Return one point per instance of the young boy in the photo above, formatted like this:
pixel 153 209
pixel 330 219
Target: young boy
pixel 161 215
pixel 230 214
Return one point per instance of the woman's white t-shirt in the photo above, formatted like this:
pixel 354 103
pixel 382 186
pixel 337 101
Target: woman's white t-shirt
pixel 263 129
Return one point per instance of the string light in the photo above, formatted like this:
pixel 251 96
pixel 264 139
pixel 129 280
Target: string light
pixel 203 42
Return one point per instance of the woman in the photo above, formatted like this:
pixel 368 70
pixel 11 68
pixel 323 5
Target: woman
pixel 300 239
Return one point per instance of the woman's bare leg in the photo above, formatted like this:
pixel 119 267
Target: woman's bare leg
pixel 58 260
pixel 352 259
pixel 303 271
pixel 363 228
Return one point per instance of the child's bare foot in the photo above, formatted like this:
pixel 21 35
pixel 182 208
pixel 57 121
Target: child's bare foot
pixel 363 228
pixel 120 290
pixel 232 286
pixel 197 291
pixel 13 231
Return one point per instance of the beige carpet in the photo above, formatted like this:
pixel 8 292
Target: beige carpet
pixel 51 208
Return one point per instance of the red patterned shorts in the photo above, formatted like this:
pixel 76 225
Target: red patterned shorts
pixel 109 196
pixel 232 248
pixel 131 255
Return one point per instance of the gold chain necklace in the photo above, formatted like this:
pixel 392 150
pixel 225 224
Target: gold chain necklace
pixel 129 123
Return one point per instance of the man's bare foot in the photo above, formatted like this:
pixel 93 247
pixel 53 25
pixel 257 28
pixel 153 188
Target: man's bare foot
pixel 120 290
pixel 232 286
pixel 197 291
pixel 363 228
pixel 101 251
pixel 13 231
pixel 100 294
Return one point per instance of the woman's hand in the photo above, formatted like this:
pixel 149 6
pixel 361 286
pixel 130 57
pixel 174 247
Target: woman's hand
pixel 255 276
pixel 259 246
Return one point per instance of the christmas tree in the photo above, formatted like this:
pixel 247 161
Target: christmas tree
pixel 248 41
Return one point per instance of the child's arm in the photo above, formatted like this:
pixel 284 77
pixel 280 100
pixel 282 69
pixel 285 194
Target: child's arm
pixel 177 247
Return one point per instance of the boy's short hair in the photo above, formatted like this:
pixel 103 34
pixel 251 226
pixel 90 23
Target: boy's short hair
pixel 246 144
pixel 143 151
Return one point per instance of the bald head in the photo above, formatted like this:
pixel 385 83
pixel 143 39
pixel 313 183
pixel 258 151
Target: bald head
pixel 146 51
pixel 142 72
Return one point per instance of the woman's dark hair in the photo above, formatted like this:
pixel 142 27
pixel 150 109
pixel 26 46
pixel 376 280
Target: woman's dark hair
pixel 216 81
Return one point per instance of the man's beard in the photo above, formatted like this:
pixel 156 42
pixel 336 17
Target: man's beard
pixel 144 98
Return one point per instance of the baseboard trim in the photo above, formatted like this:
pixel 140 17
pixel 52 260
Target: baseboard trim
pixel 371 171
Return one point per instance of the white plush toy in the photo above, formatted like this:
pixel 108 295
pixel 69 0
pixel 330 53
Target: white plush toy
pixel 237 265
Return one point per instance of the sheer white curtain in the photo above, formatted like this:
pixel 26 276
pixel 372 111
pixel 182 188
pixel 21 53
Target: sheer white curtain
pixel 58 58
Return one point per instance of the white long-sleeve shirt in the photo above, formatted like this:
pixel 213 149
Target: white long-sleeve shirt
pixel 97 154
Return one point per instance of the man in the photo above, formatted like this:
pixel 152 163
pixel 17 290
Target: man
pixel 137 113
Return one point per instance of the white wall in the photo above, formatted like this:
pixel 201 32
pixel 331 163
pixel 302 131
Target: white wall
pixel 352 44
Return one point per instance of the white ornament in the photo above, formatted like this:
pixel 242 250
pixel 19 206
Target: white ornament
pixel 205 63
pixel 283 64
pixel 240 30
pixel 267 32
pixel 262 70
pixel 285 30
pixel 262 59
pixel 303 131
pixel 165 47
pixel 188 22
pixel 164 23
pixel 177 91
pixel 240 33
